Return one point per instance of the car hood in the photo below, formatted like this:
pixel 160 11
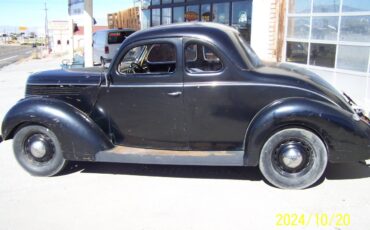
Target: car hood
pixel 83 76
pixel 293 75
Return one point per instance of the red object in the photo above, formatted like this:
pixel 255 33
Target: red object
pixel 106 50
pixel 81 29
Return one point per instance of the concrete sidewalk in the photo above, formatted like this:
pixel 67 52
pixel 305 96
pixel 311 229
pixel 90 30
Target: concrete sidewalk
pixel 123 196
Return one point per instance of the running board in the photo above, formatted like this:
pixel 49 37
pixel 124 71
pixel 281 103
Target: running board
pixel 169 157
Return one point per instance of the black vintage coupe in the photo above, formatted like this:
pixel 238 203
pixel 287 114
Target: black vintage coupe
pixel 188 94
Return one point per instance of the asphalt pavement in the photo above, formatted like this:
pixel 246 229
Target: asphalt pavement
pixel 150 197
pixel 13 53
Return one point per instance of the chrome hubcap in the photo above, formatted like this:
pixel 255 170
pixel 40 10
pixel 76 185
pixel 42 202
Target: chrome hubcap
pixel 292 158
pixel 38 149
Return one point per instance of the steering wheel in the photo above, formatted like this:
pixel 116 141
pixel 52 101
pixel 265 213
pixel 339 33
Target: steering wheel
pixel 136 68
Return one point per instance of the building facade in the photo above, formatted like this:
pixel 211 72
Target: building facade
pixel 230 12
pixel 329 37
pixel 129 18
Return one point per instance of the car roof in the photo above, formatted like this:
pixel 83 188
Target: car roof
pixel 221 36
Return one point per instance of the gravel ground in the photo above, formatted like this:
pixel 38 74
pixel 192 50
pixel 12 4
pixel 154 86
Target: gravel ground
pixel 124 196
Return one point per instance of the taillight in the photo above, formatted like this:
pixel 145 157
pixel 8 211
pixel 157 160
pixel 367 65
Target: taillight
pixel 106 49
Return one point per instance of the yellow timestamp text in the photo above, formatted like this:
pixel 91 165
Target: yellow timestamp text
pixel 313 219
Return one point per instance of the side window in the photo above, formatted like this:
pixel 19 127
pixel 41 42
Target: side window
pixel 156 58
pixel 200 58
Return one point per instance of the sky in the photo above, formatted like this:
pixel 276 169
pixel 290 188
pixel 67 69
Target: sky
pixel 31 14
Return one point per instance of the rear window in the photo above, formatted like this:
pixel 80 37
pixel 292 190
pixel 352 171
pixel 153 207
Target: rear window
pixel 118 37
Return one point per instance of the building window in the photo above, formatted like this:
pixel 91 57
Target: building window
pixel 166 1
pixel 221 12
pixel 241 14
pixel 178 14
pixel 156 2
pixel 205 12
pixel 329 33
pixel 177 1
pixel 192 13
pixel 145 22
pixel 156 17
pixel 166 16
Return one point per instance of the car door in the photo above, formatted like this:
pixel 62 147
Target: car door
pixel 216 110
pixel 145 106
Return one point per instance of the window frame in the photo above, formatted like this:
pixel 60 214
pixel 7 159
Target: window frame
pixel 312 15
pixel 172 41
pixel 210 46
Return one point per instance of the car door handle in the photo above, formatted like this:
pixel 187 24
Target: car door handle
pixel 174 94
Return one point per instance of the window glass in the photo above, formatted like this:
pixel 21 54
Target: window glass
pixel 192 13
pixel 355 29
pixel 178 14
pixel 355 5
pixel 299 6
pixel 145 4
pixel 149 59
pixel 176 1
pixel 159 53
pixel 297 52
pixel 206 13
pixel 156 17
pixel 156 2
pixel 241 14
pixel 323 55
pixel 145 22
pixel 200 58
pixel 353 58
pixel 221 12
pixel 298 27
pixel 324 28
pixel 118 37
pixel 166 16
pixel 166 1
pixel 324 6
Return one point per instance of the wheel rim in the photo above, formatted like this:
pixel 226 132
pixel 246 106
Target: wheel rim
pixel 293 157
pixel 39 148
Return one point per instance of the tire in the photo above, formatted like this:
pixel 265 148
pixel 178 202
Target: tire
pixel 293 158
pixel 38 150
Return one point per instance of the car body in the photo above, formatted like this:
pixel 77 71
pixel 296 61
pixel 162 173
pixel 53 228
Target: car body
pixel 107 42
pixel 188 94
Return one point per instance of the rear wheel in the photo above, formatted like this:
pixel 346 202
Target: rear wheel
pixel 38 151
pixel 293 159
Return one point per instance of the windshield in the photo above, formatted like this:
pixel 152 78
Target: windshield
pixel 254 59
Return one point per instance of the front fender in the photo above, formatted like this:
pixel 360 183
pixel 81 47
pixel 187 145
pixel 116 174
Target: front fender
pixel 80 137
pixel 345 138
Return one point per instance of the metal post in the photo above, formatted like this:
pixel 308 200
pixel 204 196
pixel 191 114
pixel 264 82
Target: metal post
pixel 71 39
pixel 88 24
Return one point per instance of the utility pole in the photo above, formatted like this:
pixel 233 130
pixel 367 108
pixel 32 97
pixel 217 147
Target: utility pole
pixel 47 45
pixel 88 24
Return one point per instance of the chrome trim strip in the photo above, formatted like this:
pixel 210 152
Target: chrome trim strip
pixel 63 84
pixel 154 85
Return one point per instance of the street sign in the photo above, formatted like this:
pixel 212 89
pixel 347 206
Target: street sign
pixel 76 7
pixel 22 28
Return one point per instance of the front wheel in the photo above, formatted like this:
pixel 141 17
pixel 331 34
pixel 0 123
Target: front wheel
pixel 293 158
pixel 38 151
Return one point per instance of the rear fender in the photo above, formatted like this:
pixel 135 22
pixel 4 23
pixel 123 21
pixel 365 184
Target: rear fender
pixel 80 137
pixel 345 138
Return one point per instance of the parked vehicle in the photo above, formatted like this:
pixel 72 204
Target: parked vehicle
pixel 106 44
pixel 188 94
